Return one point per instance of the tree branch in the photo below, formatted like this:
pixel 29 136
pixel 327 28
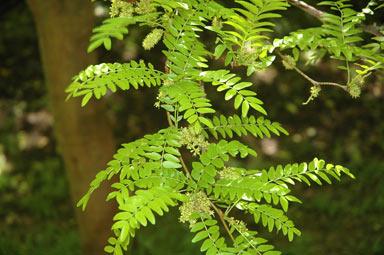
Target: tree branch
pixel 371 30
pixel 185 167
pixel 312 81
pixel 221 216
pixel 318 14
pixel 307 8
pixel 169 119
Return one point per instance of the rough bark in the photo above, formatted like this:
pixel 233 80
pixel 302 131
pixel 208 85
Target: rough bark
pixel 84 136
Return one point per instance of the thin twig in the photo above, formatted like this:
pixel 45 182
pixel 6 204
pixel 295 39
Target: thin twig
pixel 318 14
pixel 169 119
pixel 319 83
pixel 185 167
pixel 307 8
pixel 371 30
pixel 221 216
pixel 312 81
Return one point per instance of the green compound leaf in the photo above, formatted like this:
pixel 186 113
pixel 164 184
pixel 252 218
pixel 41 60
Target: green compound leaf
pixel 96 79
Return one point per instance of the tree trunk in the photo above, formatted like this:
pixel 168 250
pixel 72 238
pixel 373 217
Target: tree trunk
pixel 84 136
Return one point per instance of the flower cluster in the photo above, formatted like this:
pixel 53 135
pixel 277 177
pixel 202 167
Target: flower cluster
pixel 239 225
pixel 197 202
pixel 229 173
pixel 121 9
pixel 315 91
pixel 194 142
pixel 144 7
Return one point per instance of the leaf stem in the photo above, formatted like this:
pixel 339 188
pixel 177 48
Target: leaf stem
pixel 318 14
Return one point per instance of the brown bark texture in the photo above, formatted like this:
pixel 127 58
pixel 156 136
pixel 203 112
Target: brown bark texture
pixel 84 136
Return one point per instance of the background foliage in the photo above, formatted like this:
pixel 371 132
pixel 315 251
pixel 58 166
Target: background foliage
pixel 34 203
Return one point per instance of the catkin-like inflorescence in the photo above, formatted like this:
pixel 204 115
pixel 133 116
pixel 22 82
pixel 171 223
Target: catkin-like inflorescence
pixel 355 85
pixel 354 90
pixel 152 38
